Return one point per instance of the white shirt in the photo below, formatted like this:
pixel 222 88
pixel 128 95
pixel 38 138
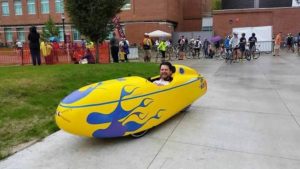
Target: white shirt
pixel 161 82
pixel 234 42
pixel 19 44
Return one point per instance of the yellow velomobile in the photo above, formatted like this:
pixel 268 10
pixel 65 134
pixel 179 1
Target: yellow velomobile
pixel 129 105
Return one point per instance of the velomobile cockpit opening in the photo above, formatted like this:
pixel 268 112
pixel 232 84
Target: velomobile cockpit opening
pixel 158 77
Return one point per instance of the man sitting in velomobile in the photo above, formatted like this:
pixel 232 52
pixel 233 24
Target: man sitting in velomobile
pixel 129 105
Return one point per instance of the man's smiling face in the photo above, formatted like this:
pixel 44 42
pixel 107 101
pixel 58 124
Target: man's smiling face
pixel 165 72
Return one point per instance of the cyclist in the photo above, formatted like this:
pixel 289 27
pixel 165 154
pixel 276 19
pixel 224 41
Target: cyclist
pixel 162 47
pixel 298 43
pixel 242 45
pixel 197 47
pixel 290 43
pixel 234 42
pixel 227 46
pixel 252 40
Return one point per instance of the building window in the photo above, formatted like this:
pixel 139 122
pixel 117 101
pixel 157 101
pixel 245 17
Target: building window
pixel 31 7
pixel 5 8
pixel 59 6
pixel 207 28
pixel 18 7
pixel 127 5
pixel 61 33
pixel 21 34
pixel 207 24
pixel 76 34
pixel 45 6
pixel 8 34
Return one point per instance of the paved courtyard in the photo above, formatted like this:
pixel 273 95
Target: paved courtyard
pixel 249 119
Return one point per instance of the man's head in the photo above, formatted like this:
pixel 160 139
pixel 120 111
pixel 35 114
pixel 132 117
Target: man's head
pixel 166 70
pixel 243 34
pixel 235 34
pixel 253 34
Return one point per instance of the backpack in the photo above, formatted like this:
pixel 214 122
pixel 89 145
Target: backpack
pixel 126 47
pixel 146 44
pixel 197 45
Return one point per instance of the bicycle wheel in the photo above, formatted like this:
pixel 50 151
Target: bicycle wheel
pixel 189 54
pixel 248 55
pixel 257 54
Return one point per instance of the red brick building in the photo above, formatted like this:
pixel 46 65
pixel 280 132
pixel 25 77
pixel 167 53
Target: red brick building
pixel 137 17
pixel 284 19
pixel 18 15
pixel 166 15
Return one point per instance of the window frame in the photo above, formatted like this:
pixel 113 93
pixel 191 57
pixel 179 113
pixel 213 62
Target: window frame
pixel 59 6
pixel 8 32
pixel 6 7
pixel 76 33
pixel 31 3
pixel 45 5
pixel 21 31
pixel 127 6
pixel 18 7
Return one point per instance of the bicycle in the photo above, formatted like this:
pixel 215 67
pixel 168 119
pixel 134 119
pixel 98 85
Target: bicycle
pixel 220 53
pixel 253 53
pixel 257 52
pixel 228 55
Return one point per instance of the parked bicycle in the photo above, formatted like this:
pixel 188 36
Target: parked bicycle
pixel 228 55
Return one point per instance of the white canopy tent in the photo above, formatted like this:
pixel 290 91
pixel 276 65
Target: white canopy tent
pixel 159 33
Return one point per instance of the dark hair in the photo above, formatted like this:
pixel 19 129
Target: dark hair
pixel 171 67
pixel 243 34
pixel 253 34
pixel 32 29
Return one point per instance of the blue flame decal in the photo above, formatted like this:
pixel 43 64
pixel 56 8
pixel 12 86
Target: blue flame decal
pixel 77 95
pixel 118 127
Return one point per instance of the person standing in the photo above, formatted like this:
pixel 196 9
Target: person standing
pixel 147 45
pixel 181 42
pixel 252 40
pixel 290 42
pixel 298 43
pixel 124 47
pixel 234 43
pixel 114 48
pixel 34 45
pixel 197 46
pixel 206 44
pixel 242 45
pixel 46 50
pixel 277 44
pixel 162 47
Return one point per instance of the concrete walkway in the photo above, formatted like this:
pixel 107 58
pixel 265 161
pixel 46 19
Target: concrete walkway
pixel 249 119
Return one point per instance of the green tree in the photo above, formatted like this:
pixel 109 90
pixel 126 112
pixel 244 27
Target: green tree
pixel 93 18
pixel 49 30
pixel 217 4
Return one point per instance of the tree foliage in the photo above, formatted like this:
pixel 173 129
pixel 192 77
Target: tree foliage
pixel 49 30
pixel 93 17
pixel 217 4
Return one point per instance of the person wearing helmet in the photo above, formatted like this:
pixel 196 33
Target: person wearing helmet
pixel 252 40
pixel 242 45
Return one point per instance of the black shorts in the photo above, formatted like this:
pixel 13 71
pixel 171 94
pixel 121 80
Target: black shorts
pixel 242 48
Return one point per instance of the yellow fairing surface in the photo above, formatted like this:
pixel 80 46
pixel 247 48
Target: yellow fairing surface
pixel 128 105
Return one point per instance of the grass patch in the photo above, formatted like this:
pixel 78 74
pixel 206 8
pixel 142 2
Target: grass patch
pixel 29 96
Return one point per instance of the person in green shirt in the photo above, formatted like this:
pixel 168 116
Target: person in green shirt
pixel 162 47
